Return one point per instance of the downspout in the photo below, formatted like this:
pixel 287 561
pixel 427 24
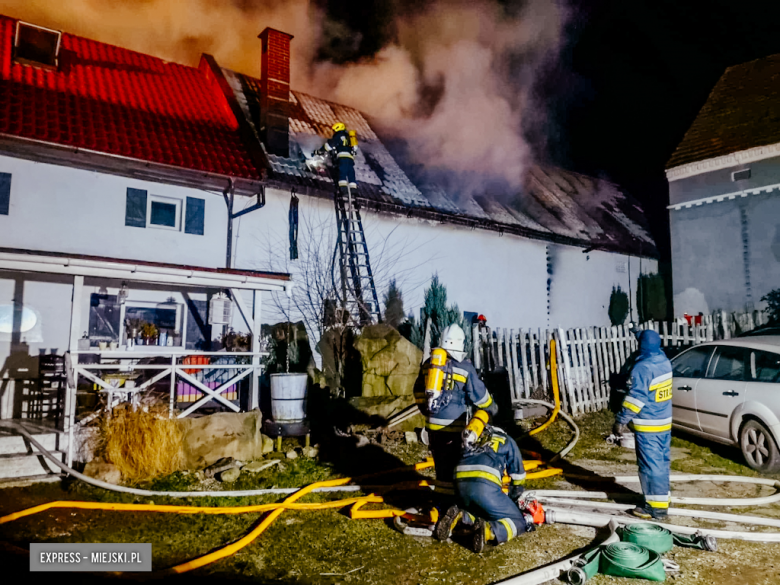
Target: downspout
pixel 229 195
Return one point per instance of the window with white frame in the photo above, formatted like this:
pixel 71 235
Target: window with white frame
pixel 171 213
pixel 164 212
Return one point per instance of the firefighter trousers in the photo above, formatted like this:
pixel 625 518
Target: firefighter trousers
pixel 347 173
pixel 484 499
pixel 653 452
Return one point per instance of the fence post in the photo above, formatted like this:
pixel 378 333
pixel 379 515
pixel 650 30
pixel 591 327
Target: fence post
pixel 519 384
pixel 582 353
pixel 576 360
pixel 524 364
pixel 427 340
pixel 605 342
pixel 476 345
pixel 542 360
pixel 618 342
pixel 562 387
pixel 532 352
pixel 510 366
pixel 562 342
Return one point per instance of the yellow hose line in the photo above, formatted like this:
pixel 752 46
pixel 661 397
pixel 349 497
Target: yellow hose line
pixel 276 509
pixel 556 393
pixel 184 509
pixel 246 540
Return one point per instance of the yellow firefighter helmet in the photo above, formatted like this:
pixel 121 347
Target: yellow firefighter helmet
pixel 338 127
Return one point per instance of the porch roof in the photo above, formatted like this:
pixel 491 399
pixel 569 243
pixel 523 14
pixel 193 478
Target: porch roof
pixel 143 271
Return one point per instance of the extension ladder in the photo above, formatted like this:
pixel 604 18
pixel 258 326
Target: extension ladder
pixel 357 281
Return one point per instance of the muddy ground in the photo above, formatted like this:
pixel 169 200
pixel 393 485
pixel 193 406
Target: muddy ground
pixel 327 547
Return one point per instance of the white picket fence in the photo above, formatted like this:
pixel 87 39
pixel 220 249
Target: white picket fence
pixel 586 357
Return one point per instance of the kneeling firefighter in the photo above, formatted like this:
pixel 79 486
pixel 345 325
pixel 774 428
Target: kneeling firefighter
pixel 647 410
pixel 489 453
pixel 447 387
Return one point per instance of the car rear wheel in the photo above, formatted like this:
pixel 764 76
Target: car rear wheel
pixel 759 448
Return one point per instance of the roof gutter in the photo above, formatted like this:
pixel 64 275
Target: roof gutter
pixel 138 272
pixel 462 221
pixel 117 164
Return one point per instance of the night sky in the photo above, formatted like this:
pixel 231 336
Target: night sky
pixel 628 82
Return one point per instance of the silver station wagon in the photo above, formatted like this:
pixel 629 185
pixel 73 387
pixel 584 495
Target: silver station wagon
pixel 729 391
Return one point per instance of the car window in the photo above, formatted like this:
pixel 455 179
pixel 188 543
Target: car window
pixel 692 363
pixel 765 366
pixel 728 363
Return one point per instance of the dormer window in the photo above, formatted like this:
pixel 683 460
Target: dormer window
pixel 35 45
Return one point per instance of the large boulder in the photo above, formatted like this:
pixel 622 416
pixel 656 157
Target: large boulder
pixel 384 407
pixel 390 362
pixel 208 439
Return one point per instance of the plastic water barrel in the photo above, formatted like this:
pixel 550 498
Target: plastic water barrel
pixel 288 397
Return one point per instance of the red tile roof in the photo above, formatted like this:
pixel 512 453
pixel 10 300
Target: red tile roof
pixel 741 112
pixel 113 100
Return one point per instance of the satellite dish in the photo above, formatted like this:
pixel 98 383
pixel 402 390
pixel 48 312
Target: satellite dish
pixel 28 319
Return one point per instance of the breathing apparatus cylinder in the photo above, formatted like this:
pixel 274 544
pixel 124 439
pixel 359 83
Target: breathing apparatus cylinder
pixel 473 430
pixel 353 138
pixel 434 380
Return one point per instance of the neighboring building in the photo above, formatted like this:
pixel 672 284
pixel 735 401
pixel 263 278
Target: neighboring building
pixel 724 195
pixel 112 156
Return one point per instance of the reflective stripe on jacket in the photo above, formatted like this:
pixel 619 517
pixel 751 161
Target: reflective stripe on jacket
pixel 489 464
pixel 648 406
pixel 341 144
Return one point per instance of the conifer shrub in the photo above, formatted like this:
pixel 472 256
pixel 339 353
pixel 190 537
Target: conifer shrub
pixel 618 306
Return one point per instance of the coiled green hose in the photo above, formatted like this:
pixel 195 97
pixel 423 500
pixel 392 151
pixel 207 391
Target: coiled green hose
pixel 650 536
pixel 626 559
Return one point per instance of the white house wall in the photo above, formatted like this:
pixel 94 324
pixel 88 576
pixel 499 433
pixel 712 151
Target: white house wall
pixel 62 209
pixel 503 277
pixel 581 284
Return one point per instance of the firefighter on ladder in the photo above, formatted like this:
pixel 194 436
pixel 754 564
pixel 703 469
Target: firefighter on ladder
pixel 343 146
pixel 446 389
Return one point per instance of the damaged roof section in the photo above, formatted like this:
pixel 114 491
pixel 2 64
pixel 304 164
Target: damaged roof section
pixel 114 110
pixel 555 205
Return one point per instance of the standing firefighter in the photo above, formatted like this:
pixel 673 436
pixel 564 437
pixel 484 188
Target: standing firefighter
pixel 448 385
pixel 647 410
pixel 488 454
pixel 343 145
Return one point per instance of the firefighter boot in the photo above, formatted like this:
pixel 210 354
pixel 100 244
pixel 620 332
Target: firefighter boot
pixel 482 534
pixel 647 512
pixel 446 523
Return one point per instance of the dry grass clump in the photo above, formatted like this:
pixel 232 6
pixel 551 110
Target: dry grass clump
pixel 144 443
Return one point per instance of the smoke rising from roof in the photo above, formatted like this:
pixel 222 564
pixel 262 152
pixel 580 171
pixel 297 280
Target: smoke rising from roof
pixel 453 78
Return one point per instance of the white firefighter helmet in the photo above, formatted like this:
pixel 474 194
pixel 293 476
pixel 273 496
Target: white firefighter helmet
pixel 453 340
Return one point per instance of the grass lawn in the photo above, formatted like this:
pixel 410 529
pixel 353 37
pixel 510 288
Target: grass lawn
pixel 327 547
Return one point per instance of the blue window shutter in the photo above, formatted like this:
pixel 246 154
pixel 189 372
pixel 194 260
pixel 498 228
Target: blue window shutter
pixel 135 211
pixel 5 192
pixel 195 216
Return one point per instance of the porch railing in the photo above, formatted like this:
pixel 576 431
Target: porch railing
pixel 170 365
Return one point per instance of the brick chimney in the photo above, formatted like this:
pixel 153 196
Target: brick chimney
pixel 275 92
